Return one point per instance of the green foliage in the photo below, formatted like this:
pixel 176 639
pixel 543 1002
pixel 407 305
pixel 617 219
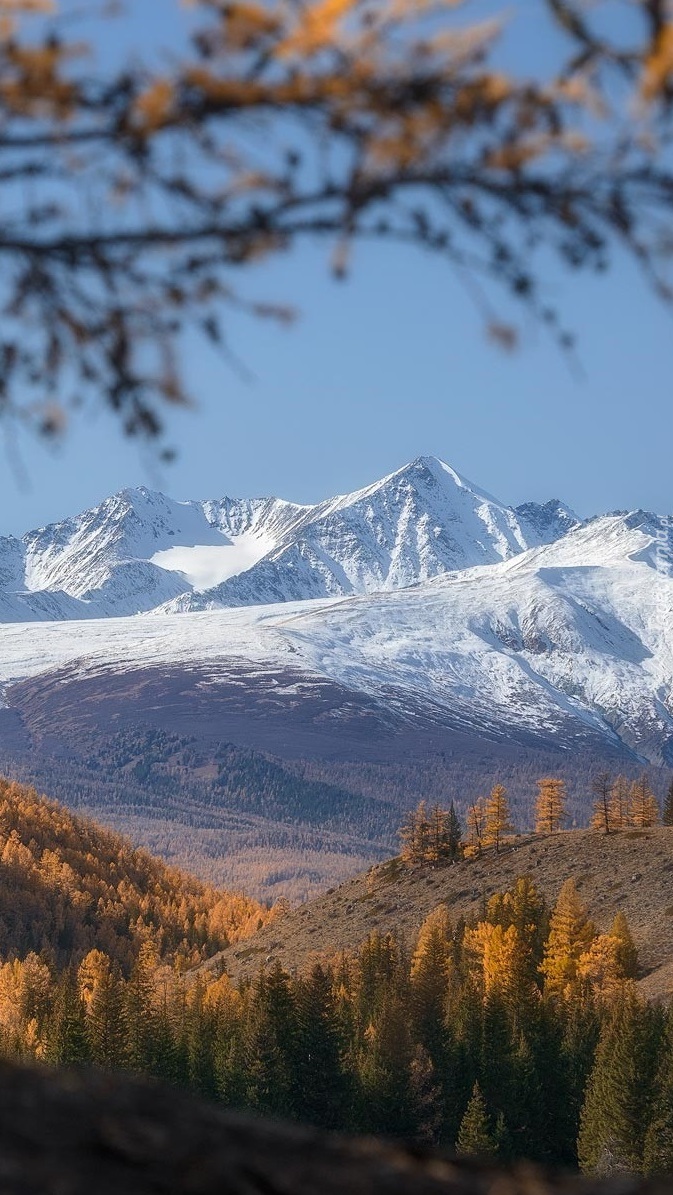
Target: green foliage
pixel 618 1102
pixel 475 1136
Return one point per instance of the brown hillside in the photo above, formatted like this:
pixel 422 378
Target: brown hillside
pixel 630 871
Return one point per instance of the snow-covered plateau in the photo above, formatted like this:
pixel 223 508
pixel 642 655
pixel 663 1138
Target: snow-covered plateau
pixel 420 592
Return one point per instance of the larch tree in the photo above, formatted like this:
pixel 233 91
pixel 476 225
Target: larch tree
pixel 476 825
pixel 645 810
pixel 135 195
pixel 620 803
pixel 601 788
pixel 497 818
pixel 550 807
pixel 571 934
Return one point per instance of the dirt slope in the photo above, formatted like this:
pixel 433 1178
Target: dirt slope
pixel 631 871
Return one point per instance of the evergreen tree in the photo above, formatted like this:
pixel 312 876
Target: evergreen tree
pixel 320 1083
pixel 658 1153
pixel 619 1094
pixel 627 955
pixel 550 807
pixel 497 818
pixel 668 806
pixel 601 787
pixel 430 968
pixel 67 1042
pixel 475 1137
pixel 454 833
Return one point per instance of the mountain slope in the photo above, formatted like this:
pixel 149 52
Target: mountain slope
pixel 139 550
pixel 629 872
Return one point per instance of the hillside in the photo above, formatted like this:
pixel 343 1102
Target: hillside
pixel 630 872
pixel 67 886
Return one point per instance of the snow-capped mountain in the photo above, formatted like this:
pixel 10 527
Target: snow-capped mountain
pixel 567 642
pixel 140 551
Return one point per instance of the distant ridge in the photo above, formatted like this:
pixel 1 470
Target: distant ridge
pixel 139 550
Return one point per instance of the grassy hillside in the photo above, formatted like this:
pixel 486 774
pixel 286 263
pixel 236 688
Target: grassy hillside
pixel 68 886
pixel 630 871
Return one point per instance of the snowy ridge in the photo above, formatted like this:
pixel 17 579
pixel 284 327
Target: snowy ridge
pixel 140 551
pixel 564 639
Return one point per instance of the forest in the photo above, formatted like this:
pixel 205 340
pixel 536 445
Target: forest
pixel 517 1034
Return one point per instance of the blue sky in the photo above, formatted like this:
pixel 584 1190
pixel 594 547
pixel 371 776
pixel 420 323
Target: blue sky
pixel 393 363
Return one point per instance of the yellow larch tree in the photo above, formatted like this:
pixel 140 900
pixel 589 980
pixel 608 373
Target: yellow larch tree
pixel 601 787
pixel 571 934
pixel 620 803
pixel 644 806
pixel 550 807
pixel 497 818
pixel 476 825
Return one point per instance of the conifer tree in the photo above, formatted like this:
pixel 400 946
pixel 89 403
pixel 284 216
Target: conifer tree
pixel 644 806
pixel 617 1106
pixel 550 808
pixel 67 1042
pixel 320 1083
pixel 601 787
pixel 658 1152
pixel 475 1137
pixel 430 969
pixel 668 806
pixel 415 835
pixel 627 955
pixel 620 803
pixel 476 824
pixel 425 1098
pixel 454 833
pixel 570 936
pixel 497 818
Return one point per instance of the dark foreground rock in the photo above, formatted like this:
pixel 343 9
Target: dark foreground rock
pixel 71 1134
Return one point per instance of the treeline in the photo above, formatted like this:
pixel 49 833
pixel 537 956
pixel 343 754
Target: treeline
pixel 434 835
pixel 518 1035
pixel 67 887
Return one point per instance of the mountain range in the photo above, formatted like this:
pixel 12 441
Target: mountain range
pixel 139 550
pixel 415 638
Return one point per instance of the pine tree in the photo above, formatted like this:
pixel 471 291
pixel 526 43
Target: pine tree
pixel 475 1137
pixel 627 955
pixel 658 1153
pixel 644 807
pixel 454 834
pixel 430 969
pixel 617 1107
pixel 319 1081
pixel 668 806
pixel 550 809
pixel 497 818
pixel 570 936
pixel 601 787
pixel 67 1042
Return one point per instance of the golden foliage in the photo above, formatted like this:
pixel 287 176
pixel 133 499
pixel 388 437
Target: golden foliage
pixel 68 888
